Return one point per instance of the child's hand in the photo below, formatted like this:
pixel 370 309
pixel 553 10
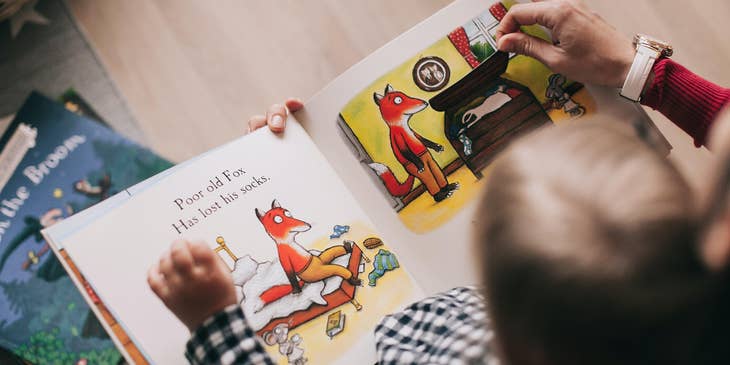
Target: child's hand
pixel 276 116
pixel 193 282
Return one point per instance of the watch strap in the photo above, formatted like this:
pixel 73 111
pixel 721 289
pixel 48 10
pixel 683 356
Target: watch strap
pixel 639 72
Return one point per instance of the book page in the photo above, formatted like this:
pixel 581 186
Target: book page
pixel 413 128
pixel 254 201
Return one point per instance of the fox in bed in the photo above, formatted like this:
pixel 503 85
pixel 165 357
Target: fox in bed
pixel 410 148
pixel 300 265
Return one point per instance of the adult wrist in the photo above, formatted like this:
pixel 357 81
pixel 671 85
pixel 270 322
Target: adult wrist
pixel 624 66
pixel 638 75
pixel 621 61
pixel 648 52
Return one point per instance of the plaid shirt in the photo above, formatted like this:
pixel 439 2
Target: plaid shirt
pixel 226 338
pixel 449 328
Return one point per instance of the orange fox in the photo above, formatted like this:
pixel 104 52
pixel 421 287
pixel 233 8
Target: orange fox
pixel 297 261
pixel 409 148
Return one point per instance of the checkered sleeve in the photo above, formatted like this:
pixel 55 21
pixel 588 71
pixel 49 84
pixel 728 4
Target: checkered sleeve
pixel 448 328
pixel 226 338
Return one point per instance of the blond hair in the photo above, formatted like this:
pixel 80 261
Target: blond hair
pixel 587 236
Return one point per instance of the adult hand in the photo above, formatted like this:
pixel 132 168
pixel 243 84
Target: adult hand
pixel 585 48
pixel 275 117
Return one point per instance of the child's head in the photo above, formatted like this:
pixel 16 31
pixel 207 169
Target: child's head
pixel 588 240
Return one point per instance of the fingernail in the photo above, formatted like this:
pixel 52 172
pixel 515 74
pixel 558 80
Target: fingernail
pixel 277 121
pixel 502 47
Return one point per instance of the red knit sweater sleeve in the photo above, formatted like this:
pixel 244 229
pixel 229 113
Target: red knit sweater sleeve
pixel 688 100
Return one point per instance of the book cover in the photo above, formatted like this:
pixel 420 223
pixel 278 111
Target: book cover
pixel 74 102
pixel 55 163
pixel 335 324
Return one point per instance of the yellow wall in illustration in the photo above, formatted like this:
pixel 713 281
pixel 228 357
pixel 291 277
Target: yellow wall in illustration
pixel 363 115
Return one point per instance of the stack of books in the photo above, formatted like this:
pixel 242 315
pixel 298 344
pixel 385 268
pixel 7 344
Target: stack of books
pixel 58 157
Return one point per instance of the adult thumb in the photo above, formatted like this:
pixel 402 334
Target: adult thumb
pixel 527 45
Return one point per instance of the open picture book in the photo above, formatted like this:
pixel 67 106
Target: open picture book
pixel 377 177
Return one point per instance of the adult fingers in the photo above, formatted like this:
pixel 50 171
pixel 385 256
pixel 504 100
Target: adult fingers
pixel 527 45
pixel 276 118
pixel 294 104
pixel 544 13
pixel 256 122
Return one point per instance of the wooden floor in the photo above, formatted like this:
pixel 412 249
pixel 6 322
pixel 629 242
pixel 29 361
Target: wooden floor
pixel 193 71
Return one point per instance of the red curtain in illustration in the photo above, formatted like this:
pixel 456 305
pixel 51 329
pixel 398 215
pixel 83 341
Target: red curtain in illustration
pixel 459 39
pixel 498 11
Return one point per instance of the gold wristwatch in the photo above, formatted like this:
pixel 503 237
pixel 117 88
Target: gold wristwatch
pixel 648 50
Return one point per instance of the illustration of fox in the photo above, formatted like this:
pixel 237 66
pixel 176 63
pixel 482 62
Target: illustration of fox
pixel 297 261
pixel 409 148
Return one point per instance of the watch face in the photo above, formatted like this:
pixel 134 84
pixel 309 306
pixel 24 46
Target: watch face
pixel 657 44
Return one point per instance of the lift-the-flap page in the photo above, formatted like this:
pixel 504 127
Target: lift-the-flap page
pixel 414 127
pixel 272 208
